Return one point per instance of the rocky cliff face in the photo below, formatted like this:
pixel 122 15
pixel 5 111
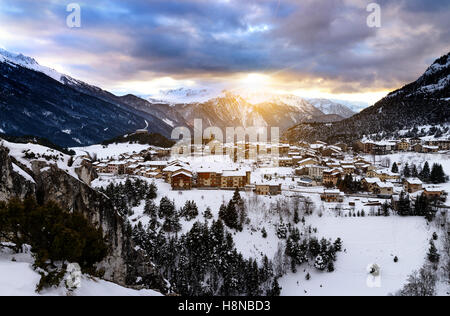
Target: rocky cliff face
pixel 12 185
pixel 124 265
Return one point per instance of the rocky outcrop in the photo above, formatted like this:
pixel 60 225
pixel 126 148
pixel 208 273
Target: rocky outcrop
pixel 124 264
pixel 12 185
pixel 86 172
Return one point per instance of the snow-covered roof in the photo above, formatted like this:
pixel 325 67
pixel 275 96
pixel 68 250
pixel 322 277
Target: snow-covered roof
pixel 182 172
pixel 385 185
pixel 265 183
pixel 433 189
pixel 336 191
pixel 414 181
pixel 372 180
pixel 306 160
pixel 235 173
pixel 209 169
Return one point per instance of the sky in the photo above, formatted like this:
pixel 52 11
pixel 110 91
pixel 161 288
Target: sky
pixel 311 48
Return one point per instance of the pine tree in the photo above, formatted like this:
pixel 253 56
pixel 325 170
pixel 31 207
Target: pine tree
pixel 385 209
pixel 208 214
pixel 407 171
pixel 414 171
pixel 437 174
pixel 404 205
pixel 275 290
pixel 172 224
pixel 338 245
pixel 166 208
pixel 394 168
pixel 433 254
pixel 425 173
pixel 330 266
pixel 282 230
pixel 296 217
pixel 150 208
pixel 152 191
pixel 189 211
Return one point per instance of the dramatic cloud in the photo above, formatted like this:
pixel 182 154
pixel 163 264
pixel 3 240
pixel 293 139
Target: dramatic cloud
pixel 321 45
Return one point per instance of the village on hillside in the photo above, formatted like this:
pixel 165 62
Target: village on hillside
pixel 364 172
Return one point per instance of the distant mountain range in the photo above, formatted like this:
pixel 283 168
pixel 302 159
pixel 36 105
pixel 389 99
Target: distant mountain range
pixel 36 100
pixel 423 102
pixel 248 108
pixel 331 107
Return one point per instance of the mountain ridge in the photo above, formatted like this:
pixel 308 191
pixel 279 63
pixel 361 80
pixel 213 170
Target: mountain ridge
pixel 425 101
pixel 39 101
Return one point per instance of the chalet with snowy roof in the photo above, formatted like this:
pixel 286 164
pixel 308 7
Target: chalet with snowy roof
pixel 284 150
pixel 433 193
pixel 332 176
pixel 369 184
pixel 171 169
pixel 384 188
pixel 285 162
pixel 342 146
pixel 430 149
pixel 403 145
pixel 383 148
pixel 116 167
pixel 181 180
pixel 232 179
pixel 132 169
pixel 158 165
pixel 331 151
pixel 307 162
pixel 417 148
pixel 348 169
pixel 412 185
pixel 442 144
pixel 332 196
pixel 267 188
pixel 415 140
pixel 208 177
pixel 101 167
pixel 316 172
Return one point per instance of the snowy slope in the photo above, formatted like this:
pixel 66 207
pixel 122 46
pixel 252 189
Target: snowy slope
pixel 366 240
pixel 39 101
pixel 57 158
pixel 17 278
pixel 29 63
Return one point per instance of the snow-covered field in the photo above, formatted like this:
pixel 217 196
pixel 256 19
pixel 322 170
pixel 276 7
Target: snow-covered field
pixel 17 278
pixel 367 240
pixel 111 151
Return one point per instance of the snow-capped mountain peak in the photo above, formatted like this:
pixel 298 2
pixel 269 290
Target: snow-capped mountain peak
pixel 184 96
pixel 330 107
pixel 29 63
